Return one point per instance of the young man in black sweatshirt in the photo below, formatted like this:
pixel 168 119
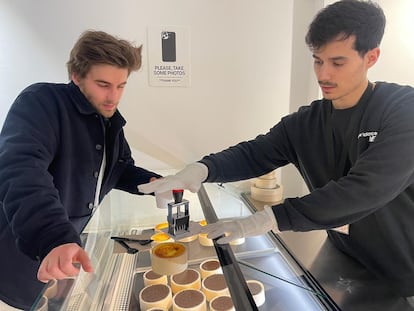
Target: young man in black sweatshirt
pixel 354 149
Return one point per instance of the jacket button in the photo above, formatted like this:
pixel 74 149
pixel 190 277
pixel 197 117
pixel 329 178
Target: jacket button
pixel 98 147
pixel 90 205
pixel 95 174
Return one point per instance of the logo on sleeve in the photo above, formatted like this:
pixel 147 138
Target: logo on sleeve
pixel 371 136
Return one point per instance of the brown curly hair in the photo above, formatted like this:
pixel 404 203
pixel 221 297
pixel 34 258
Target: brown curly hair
pixel 98 47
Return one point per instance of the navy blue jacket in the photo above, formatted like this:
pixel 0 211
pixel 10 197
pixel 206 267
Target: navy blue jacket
pixel 51 148
pixel 376 196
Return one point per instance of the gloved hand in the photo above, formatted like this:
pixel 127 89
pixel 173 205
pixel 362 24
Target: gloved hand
pixel 189 178
pixel 256 224
pixel 163 198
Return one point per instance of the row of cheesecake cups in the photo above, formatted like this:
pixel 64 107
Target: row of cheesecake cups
pixel 161 237
pixel 192 289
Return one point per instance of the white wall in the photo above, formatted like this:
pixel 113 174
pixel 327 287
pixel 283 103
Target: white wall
pixel 249 66
pixel 240 66
pixel 397 56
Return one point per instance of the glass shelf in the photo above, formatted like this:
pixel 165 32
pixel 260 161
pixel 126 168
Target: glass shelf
pixel 117 277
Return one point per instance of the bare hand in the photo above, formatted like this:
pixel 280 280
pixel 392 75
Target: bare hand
pixel 59 263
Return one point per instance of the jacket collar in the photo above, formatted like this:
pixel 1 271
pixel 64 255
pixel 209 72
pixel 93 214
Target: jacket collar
pixel 85 107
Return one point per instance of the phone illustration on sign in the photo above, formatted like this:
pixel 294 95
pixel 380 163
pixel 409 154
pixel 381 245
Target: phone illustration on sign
pixel 168 46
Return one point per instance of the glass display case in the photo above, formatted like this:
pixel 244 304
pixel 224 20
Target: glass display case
pixel 118 275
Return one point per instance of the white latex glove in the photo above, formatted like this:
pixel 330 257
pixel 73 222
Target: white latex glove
pixel 163 198
pixel 189 178
pixel 257 224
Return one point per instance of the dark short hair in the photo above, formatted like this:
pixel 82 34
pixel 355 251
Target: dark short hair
pixel 98 47
pixel 340 20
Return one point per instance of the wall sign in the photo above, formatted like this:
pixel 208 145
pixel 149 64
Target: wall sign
pixel 168 56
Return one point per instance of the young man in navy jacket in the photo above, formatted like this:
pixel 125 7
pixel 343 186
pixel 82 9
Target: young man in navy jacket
pixel 62 149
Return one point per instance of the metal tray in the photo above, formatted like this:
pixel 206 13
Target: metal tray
pixel 258 260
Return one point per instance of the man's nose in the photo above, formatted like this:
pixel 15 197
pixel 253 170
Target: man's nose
pixel 114 95
pixel 323 73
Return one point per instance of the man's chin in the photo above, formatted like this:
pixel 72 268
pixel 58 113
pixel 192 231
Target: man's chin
pixel 108 114
pixel 328 96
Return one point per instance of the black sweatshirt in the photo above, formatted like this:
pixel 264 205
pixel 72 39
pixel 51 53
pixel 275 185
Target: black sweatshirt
pixel 376 195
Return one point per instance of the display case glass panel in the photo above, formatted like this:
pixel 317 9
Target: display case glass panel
pixel 118 275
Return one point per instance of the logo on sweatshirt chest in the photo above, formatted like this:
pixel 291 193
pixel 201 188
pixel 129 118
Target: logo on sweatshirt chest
pixel 371 136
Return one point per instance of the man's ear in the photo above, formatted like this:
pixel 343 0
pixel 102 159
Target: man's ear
pixel 75 78
pixel 372 56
